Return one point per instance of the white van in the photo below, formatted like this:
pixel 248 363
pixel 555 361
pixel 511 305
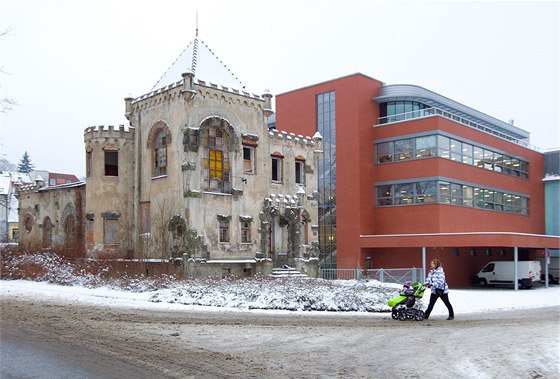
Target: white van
pixel 502 273
pixel 553 270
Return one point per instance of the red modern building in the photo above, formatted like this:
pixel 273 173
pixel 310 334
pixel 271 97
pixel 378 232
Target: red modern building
pixel 407 175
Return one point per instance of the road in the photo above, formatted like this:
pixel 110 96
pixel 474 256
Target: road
pixel 135 343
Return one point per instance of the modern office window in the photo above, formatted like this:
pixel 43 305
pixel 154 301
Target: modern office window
pixel 456 151
pixel 405 149
pixel 445 192
pixel 111 163
pixel 326 172
pixel 425 147
pixel 426 192
pixel 467 153
pixel 385 152
pixel 443 147
pixel 385 195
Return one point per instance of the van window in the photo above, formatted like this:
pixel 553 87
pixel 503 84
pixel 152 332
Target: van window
pixel 488 268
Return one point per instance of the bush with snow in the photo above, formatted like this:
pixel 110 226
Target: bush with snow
pixel 252 293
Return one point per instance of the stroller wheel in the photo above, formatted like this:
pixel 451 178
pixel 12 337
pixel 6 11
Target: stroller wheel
pixel 419 316
pixel 395 314
pixel 402 315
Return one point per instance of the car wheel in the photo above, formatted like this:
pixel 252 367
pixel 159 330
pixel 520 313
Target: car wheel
pixel 482 282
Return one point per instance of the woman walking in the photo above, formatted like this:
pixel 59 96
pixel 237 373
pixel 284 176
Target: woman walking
pixel 436 281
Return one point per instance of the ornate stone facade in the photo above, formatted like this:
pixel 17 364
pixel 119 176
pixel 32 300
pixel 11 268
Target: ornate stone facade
pixel 197 176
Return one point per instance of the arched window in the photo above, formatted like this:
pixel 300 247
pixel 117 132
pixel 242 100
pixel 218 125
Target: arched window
pixel 158 139
pixel 70 232
pixel 216 163
pixel 47 232
pixel 160 154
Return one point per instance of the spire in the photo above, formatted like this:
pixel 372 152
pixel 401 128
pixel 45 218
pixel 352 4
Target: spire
pixel 196 24
pixel 203 63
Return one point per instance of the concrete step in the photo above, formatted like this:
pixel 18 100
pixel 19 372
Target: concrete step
pixel 285 272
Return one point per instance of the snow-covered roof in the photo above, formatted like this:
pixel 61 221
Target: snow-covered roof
pixel 203 63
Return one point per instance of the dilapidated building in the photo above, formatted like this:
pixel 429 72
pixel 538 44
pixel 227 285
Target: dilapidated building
pixel 196 176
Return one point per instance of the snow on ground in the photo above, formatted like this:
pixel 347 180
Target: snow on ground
pixel 464 301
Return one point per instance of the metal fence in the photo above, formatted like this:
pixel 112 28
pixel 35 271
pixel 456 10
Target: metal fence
pixel 393 275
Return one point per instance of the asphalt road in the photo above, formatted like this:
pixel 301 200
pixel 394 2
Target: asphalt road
pixel 53 339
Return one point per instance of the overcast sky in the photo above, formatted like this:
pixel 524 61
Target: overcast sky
pixel 70 64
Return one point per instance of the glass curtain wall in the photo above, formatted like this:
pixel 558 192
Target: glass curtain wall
pixel 327 179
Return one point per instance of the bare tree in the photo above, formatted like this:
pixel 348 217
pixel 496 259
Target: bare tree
pixel 6 103
pixel 162 237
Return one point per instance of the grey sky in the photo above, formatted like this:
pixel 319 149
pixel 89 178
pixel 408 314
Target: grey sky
pixel 69 64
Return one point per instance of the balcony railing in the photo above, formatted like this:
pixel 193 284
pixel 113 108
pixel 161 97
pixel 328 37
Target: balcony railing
pixel 430 112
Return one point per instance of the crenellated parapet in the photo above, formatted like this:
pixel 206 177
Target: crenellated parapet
pixel 190 87
pixel 109 132
pixel 314 141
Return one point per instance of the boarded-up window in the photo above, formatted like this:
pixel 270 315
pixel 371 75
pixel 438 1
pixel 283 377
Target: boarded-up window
pixel 89 232
pixel 70 232
pixel 110 231
pixel 47 232
pixel 145 218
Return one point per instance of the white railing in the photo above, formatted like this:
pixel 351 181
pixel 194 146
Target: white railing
pixel 394 275
pixel 430 112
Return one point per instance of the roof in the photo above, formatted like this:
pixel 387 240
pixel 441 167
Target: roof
pixel 408 92
pixel 203 63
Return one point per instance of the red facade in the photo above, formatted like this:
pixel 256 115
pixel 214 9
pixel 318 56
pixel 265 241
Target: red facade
pixel 463 237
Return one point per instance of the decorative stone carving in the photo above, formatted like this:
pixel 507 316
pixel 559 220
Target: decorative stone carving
pixel 191 139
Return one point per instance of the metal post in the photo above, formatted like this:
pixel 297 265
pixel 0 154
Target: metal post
pixel 381 275
pixel 424 263
pixel 546 261
pixel 515 269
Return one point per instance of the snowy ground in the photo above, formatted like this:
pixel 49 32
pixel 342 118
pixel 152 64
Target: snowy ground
pixel 464 301
pixel 279 328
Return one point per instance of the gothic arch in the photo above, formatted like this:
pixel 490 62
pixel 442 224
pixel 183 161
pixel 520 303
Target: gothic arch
pixel 47 232
pixel 225 125
pixel 156 128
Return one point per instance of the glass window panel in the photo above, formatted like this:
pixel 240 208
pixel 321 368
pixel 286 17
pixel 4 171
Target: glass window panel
pixel 498 162
pixel 455 150
pixel 499 201
pixel 478 156
pixel 403 149
pixel 426 192
pixel 404 193
pixel 384 152
pixel 456 192
pixel 443 147
pixel 467 196
pixel 444 192
pixel 399 107
pixel 516 165
pixel 425 146
pixel 488 199
pixel 488 159
pixel 408 106
pixel 384 195
pixel 478 197
pixel 467 153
